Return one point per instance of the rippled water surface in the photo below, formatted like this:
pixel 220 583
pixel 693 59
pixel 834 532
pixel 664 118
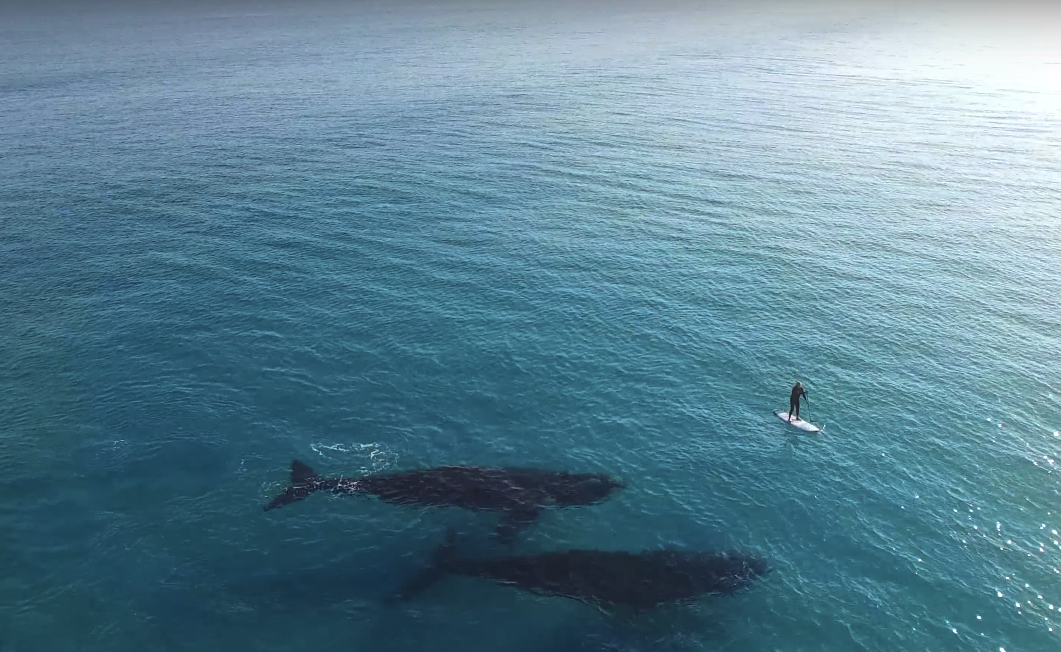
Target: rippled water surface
pixel 380 237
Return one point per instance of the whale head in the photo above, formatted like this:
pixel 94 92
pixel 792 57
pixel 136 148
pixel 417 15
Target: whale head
pixel 585 489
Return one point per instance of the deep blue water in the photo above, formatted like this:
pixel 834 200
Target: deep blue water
pixel 593 238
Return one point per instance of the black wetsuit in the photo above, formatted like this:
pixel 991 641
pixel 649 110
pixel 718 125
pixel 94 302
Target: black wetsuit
pixel 793 402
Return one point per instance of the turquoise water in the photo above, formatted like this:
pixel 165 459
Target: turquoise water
pixel 384 237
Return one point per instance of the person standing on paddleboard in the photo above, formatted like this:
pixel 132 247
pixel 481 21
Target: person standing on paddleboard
pixel 793 402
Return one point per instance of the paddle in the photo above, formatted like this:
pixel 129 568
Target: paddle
pixel 821 428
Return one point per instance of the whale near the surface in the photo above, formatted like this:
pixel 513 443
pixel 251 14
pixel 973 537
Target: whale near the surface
pixel 520 493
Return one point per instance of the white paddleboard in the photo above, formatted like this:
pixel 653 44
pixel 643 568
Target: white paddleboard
pixel 799 423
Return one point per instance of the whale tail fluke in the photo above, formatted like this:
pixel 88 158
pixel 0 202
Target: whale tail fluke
pixel 441 562
pixel 302 474
pixel 304 481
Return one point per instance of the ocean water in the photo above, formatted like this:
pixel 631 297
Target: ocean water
pixel 590 237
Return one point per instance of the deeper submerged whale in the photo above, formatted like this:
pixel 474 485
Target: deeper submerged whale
pixel 520 493
pixel 641 580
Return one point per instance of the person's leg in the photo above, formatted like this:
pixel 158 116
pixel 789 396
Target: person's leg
pixel 793 410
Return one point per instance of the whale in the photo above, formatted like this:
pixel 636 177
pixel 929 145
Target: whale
pixel 641 580
pixel 521 494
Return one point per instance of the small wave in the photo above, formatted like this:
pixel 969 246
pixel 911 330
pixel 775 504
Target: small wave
pixel 372 457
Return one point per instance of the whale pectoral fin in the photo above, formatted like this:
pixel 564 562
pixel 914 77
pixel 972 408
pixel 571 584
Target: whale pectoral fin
pixel 515 522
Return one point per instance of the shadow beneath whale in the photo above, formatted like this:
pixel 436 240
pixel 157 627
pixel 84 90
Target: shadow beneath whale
pixel 649 633
pixel 613 580
pixel 235 596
